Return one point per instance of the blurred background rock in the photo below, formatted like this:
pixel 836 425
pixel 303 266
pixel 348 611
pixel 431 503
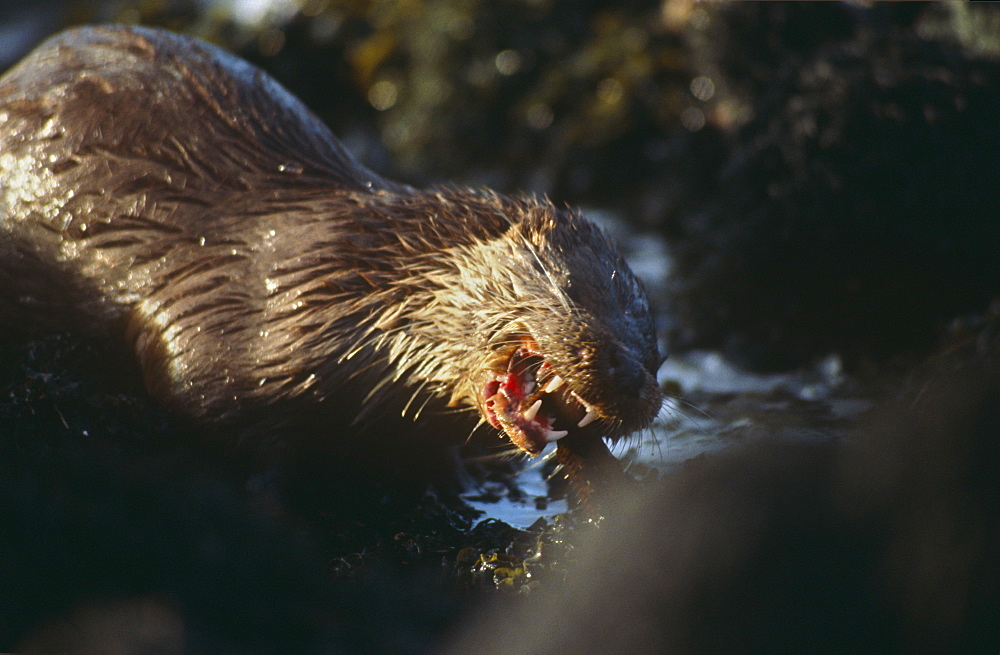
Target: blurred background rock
pixel 825 177
pixel 825 174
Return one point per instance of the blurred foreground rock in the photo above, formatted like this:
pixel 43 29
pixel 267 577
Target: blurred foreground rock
pixel 887 541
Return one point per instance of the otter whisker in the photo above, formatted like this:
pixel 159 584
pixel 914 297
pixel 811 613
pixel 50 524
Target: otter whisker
pixel 423 405
pixel 266 281
pixel 413 397
pixel 479 423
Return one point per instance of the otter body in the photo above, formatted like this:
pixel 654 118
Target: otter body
pixel 166 194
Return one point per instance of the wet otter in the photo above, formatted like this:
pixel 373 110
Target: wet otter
pixel 158 190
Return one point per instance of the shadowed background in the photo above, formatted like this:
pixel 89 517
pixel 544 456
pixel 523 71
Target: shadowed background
pixel 824 178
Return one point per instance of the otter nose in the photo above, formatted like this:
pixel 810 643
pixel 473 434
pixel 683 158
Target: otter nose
pixel 626 372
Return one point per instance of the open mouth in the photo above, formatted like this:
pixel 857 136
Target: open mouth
pixel 531 403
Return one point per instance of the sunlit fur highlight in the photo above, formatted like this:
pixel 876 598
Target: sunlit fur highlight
pixel 263 277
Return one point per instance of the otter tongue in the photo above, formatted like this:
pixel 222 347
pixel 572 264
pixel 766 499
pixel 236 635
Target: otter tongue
pixel 532 404
pixel 515 403
pixel 529 429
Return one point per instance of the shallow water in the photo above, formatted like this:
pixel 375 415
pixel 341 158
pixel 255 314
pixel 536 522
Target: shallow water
pixel 713 404
pixel 720 405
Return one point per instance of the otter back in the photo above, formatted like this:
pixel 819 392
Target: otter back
pixel 173 198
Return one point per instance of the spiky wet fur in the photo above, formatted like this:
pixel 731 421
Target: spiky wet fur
pixel 410 298
pixel 265 279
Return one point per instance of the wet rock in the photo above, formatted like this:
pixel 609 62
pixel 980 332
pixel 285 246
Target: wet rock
pixel 885 540
pixel 855 207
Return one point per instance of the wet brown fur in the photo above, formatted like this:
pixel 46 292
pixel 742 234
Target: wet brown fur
pixel 167 194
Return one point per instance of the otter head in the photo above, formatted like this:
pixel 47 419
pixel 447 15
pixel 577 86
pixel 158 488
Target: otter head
pixel 582 351
pixel 506 306
pixel 561 327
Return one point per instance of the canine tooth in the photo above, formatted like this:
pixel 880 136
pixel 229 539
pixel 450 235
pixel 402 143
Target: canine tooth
pixel 555 435
pixel 587 420
pixel 529 414
pixel 553 384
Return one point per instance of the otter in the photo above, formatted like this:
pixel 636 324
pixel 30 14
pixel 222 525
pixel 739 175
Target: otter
pixel 163 193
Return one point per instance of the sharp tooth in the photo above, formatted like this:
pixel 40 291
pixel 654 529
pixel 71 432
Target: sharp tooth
pixel 529 414
pixel 587 420
pixel 553 384
pixel 555 435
